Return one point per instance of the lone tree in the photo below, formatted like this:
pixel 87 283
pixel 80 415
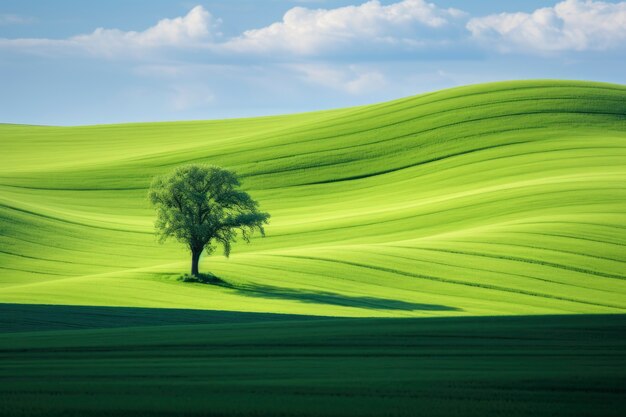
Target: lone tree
pixel 200 206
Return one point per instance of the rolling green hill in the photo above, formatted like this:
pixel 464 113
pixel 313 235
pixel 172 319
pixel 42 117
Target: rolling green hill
pixel 505 198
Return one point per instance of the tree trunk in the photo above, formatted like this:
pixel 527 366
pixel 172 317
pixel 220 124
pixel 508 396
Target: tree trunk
pixel 195 258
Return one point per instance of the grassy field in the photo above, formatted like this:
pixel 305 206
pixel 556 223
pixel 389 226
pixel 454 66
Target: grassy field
pixel 567 366
pixel 500 206
pixel 496 199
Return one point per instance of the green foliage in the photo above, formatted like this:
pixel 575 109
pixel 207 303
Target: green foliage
pixel 201 205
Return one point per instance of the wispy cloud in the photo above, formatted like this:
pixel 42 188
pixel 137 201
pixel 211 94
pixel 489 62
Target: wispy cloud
pixel 195 29
pixel 14 19
pixel 189 96
pixel 351 79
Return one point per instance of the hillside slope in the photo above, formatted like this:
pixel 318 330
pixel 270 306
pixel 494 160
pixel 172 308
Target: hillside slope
pixel 505 198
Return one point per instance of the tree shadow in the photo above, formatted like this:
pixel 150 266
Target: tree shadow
pixel 314 297
pixel 325 297
pixel 206 278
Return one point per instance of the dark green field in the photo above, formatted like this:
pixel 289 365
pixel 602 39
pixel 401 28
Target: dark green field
pixel 272 365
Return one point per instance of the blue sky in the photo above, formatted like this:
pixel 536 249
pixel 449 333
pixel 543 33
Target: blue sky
pixel 76 62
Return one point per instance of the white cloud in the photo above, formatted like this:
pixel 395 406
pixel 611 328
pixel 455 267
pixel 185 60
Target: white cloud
pixel 352 79
pixel 195 29
pixel 406 24
pixel 403 28
pixel 569 25
pixel 181 31
pixel 311 31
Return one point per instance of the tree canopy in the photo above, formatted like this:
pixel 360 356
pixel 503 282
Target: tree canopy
pixel 202 206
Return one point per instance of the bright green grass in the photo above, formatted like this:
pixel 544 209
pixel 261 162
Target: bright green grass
pixel 450 367
pixel 506 198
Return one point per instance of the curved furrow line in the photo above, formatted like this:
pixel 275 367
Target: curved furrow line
pixel 433 212
pixel 519 259
pixel 535 87
pixel 457 282
pixel 460 109
pixel 58 219
pixel 359 283
pixel 39 258
pixel 338 136
pixel 27 187
pixel 474 94
pixel 408 135
pixel 355 146
pixel 317 128
pixel 375 109
pixel 604 242
pixel 73 250
pixel 542 248
pixel 31 272
pixel 490 159
pixel 504 273
pixel 413 102
pixel 248 175
pixel 468 163
pixel 586 255
pixel 413 165
pixel 612 225
pixel 111 273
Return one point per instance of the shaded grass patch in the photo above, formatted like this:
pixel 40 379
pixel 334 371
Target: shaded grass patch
pixel 442 367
